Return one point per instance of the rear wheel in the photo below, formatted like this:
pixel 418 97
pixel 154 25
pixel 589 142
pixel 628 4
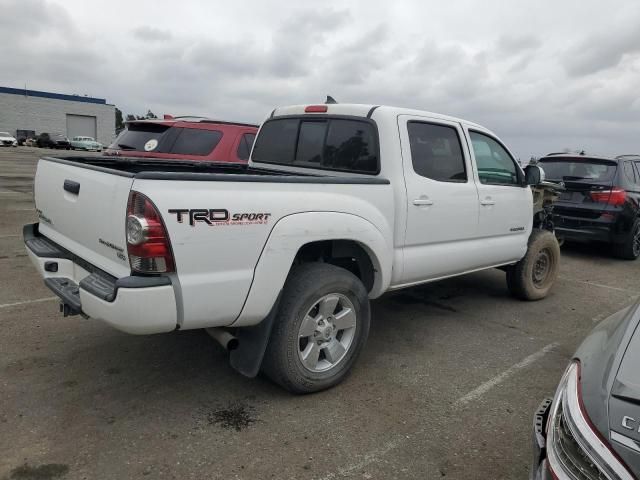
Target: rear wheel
pixel 320 329
pixel 533 276
pixel 630 248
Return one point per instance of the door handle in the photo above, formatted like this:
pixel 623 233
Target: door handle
pixel 71 187
pixel 422 201
pixel 487 202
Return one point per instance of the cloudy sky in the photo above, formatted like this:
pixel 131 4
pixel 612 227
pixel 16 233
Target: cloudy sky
pixel 543 74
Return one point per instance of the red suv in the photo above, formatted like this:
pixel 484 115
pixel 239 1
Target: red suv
pixel 188 138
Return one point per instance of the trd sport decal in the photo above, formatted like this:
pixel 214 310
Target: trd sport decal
pixel 219 216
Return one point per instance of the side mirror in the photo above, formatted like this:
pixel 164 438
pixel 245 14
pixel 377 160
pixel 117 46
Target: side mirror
pixel 533 175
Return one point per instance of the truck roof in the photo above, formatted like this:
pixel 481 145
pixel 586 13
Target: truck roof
pixel 367 111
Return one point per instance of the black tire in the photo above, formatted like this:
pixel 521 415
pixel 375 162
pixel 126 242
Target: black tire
pixel 305 286
pixel 534 275
pixel 630 248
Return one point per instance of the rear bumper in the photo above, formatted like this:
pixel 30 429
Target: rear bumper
pixel 135 304
pixel 583 229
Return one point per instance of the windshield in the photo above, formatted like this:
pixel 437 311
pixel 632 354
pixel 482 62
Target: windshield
pixel 572 169
pixel 158 138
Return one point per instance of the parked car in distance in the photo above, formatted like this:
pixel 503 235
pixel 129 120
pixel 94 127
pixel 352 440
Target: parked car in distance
pixel 8 140
pixel 85 143
pixel 338 205
pixel 58 141
pixel 601 201
pixel 591 428
pixel 187 138
pixel 23 135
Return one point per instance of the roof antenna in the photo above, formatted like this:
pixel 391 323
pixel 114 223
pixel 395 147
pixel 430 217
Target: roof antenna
pixel 330 100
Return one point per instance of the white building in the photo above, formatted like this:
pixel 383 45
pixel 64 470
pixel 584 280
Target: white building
pixel 56 113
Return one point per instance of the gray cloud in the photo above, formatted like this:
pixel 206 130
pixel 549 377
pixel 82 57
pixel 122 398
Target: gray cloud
pixel 603 51
pixel 540 85
pixel 152 34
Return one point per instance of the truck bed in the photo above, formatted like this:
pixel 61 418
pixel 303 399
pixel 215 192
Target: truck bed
pixel 161 169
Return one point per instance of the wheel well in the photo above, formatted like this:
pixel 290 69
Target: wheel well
pixel 346 254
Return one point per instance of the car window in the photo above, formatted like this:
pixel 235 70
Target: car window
pixel 572 169
pixel 436 152
pixel 324 143
pixel 192 141
pixel 244 146
pixel 630 172
pixel 495 165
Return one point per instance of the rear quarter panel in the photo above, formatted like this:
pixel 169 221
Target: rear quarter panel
pixel 216 263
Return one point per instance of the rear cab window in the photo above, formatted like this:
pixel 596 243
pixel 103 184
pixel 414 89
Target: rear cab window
pixel 324 143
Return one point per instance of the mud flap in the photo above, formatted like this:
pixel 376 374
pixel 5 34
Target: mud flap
pixel 252 343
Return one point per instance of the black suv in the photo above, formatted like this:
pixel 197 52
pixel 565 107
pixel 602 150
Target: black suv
pixel 601 201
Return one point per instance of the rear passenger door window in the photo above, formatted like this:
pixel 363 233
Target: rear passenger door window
pixel 244 146
pixel 630 173
pixel 495 165
pixel 436 152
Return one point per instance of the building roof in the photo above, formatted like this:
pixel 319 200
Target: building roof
pixel 56 96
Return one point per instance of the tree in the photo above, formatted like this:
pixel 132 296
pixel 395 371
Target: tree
pixel 130 117
pixel 119 121
pixel 150 114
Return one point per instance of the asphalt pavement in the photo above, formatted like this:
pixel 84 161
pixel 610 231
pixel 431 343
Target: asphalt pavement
pixel 445 388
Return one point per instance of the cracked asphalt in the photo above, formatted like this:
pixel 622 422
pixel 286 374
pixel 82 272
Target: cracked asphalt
pixel 445 388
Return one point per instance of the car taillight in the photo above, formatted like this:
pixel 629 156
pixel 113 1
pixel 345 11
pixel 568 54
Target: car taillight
pixel 613 197
pixel 147 239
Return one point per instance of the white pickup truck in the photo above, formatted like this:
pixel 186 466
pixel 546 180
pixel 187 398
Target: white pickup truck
pixel 279 258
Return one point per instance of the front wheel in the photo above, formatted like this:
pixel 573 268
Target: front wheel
pixel 320 328
pixel 534 275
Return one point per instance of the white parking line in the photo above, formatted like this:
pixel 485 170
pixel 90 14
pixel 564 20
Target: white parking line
pixel 26 302
pixel 367 459
pixel 599 285
pixel 376 455
pixel 489 384
pixel 10 236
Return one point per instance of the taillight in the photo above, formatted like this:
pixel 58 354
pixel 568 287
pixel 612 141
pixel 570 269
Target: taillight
pixel 614 197
pixel 147 240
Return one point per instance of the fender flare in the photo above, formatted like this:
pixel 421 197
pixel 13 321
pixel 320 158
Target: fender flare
pixel 292 232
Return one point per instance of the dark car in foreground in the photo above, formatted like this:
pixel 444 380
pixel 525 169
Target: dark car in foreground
pixel 187 138
pixel 591 428
pixel 46 140
pixel 601 201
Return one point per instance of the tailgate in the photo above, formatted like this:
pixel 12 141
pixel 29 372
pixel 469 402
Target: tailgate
pixel 84 210
pixel 586 181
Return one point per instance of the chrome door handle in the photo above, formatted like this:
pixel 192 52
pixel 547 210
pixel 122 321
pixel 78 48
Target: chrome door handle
pixel 487 202
pixel 422 201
